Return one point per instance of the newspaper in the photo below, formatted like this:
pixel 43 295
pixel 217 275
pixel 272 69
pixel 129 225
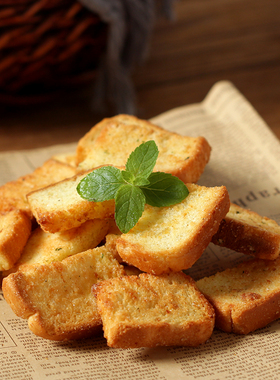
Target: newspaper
pixel 245 158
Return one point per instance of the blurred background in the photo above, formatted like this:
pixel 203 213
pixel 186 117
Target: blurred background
pixel 194 44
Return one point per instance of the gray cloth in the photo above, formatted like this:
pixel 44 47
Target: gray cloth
pixel 130 26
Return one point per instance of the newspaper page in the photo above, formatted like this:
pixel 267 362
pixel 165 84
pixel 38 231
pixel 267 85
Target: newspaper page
pixel 245 158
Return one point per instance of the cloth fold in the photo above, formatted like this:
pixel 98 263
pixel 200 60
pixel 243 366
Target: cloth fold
pixel 130 25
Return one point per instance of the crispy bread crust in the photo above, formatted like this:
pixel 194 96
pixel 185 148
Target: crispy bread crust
pixel 57 299
pixel 257 314
pixel 83 330
pixel 86 142
pixel 193 167
pixel 13 194
pixel 250 239
pixel 13 289
pixel 16 294
pixel 44 248
pixel 188 164
pixel 183 317
pixel 251 299
pixel 68 210
pixel 15 229
pixel 187 252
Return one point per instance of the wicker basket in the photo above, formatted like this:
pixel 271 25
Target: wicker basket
pixel 45 45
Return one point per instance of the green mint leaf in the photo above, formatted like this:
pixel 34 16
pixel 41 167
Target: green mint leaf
pixel 142 160
pixel 164 190
pixel 128 177
pixel 138 181
pixel 130 203
pixel 101 184
pixel 134 187
pixel 141 181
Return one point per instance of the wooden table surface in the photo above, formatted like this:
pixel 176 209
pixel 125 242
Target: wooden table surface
pixel 208 41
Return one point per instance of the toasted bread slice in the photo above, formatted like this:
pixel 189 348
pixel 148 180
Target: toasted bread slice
pixel 173 238
pixel 13 194
pixel 112 140
pixel 59 207
pixel 86 143
pixel 45 248
pixel 150 311
pixel 15 229
pixel 247 232
pixel 246 297
pixel 57 299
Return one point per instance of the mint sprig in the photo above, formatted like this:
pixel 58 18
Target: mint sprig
pixel 133 187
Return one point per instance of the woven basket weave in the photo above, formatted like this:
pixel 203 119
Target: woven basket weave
pixel 46 44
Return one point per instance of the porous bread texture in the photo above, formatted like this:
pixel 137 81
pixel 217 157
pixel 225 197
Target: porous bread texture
pixel 173 238
pixel 13 194
pixel 44 247
pixel 15 229
pixel 150 311
pixel 112 141
pixel 247 232
pixel 246 297
pixel 57 299
pixel 59 207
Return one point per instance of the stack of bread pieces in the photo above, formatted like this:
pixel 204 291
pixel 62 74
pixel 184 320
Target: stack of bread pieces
pixel 68 269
